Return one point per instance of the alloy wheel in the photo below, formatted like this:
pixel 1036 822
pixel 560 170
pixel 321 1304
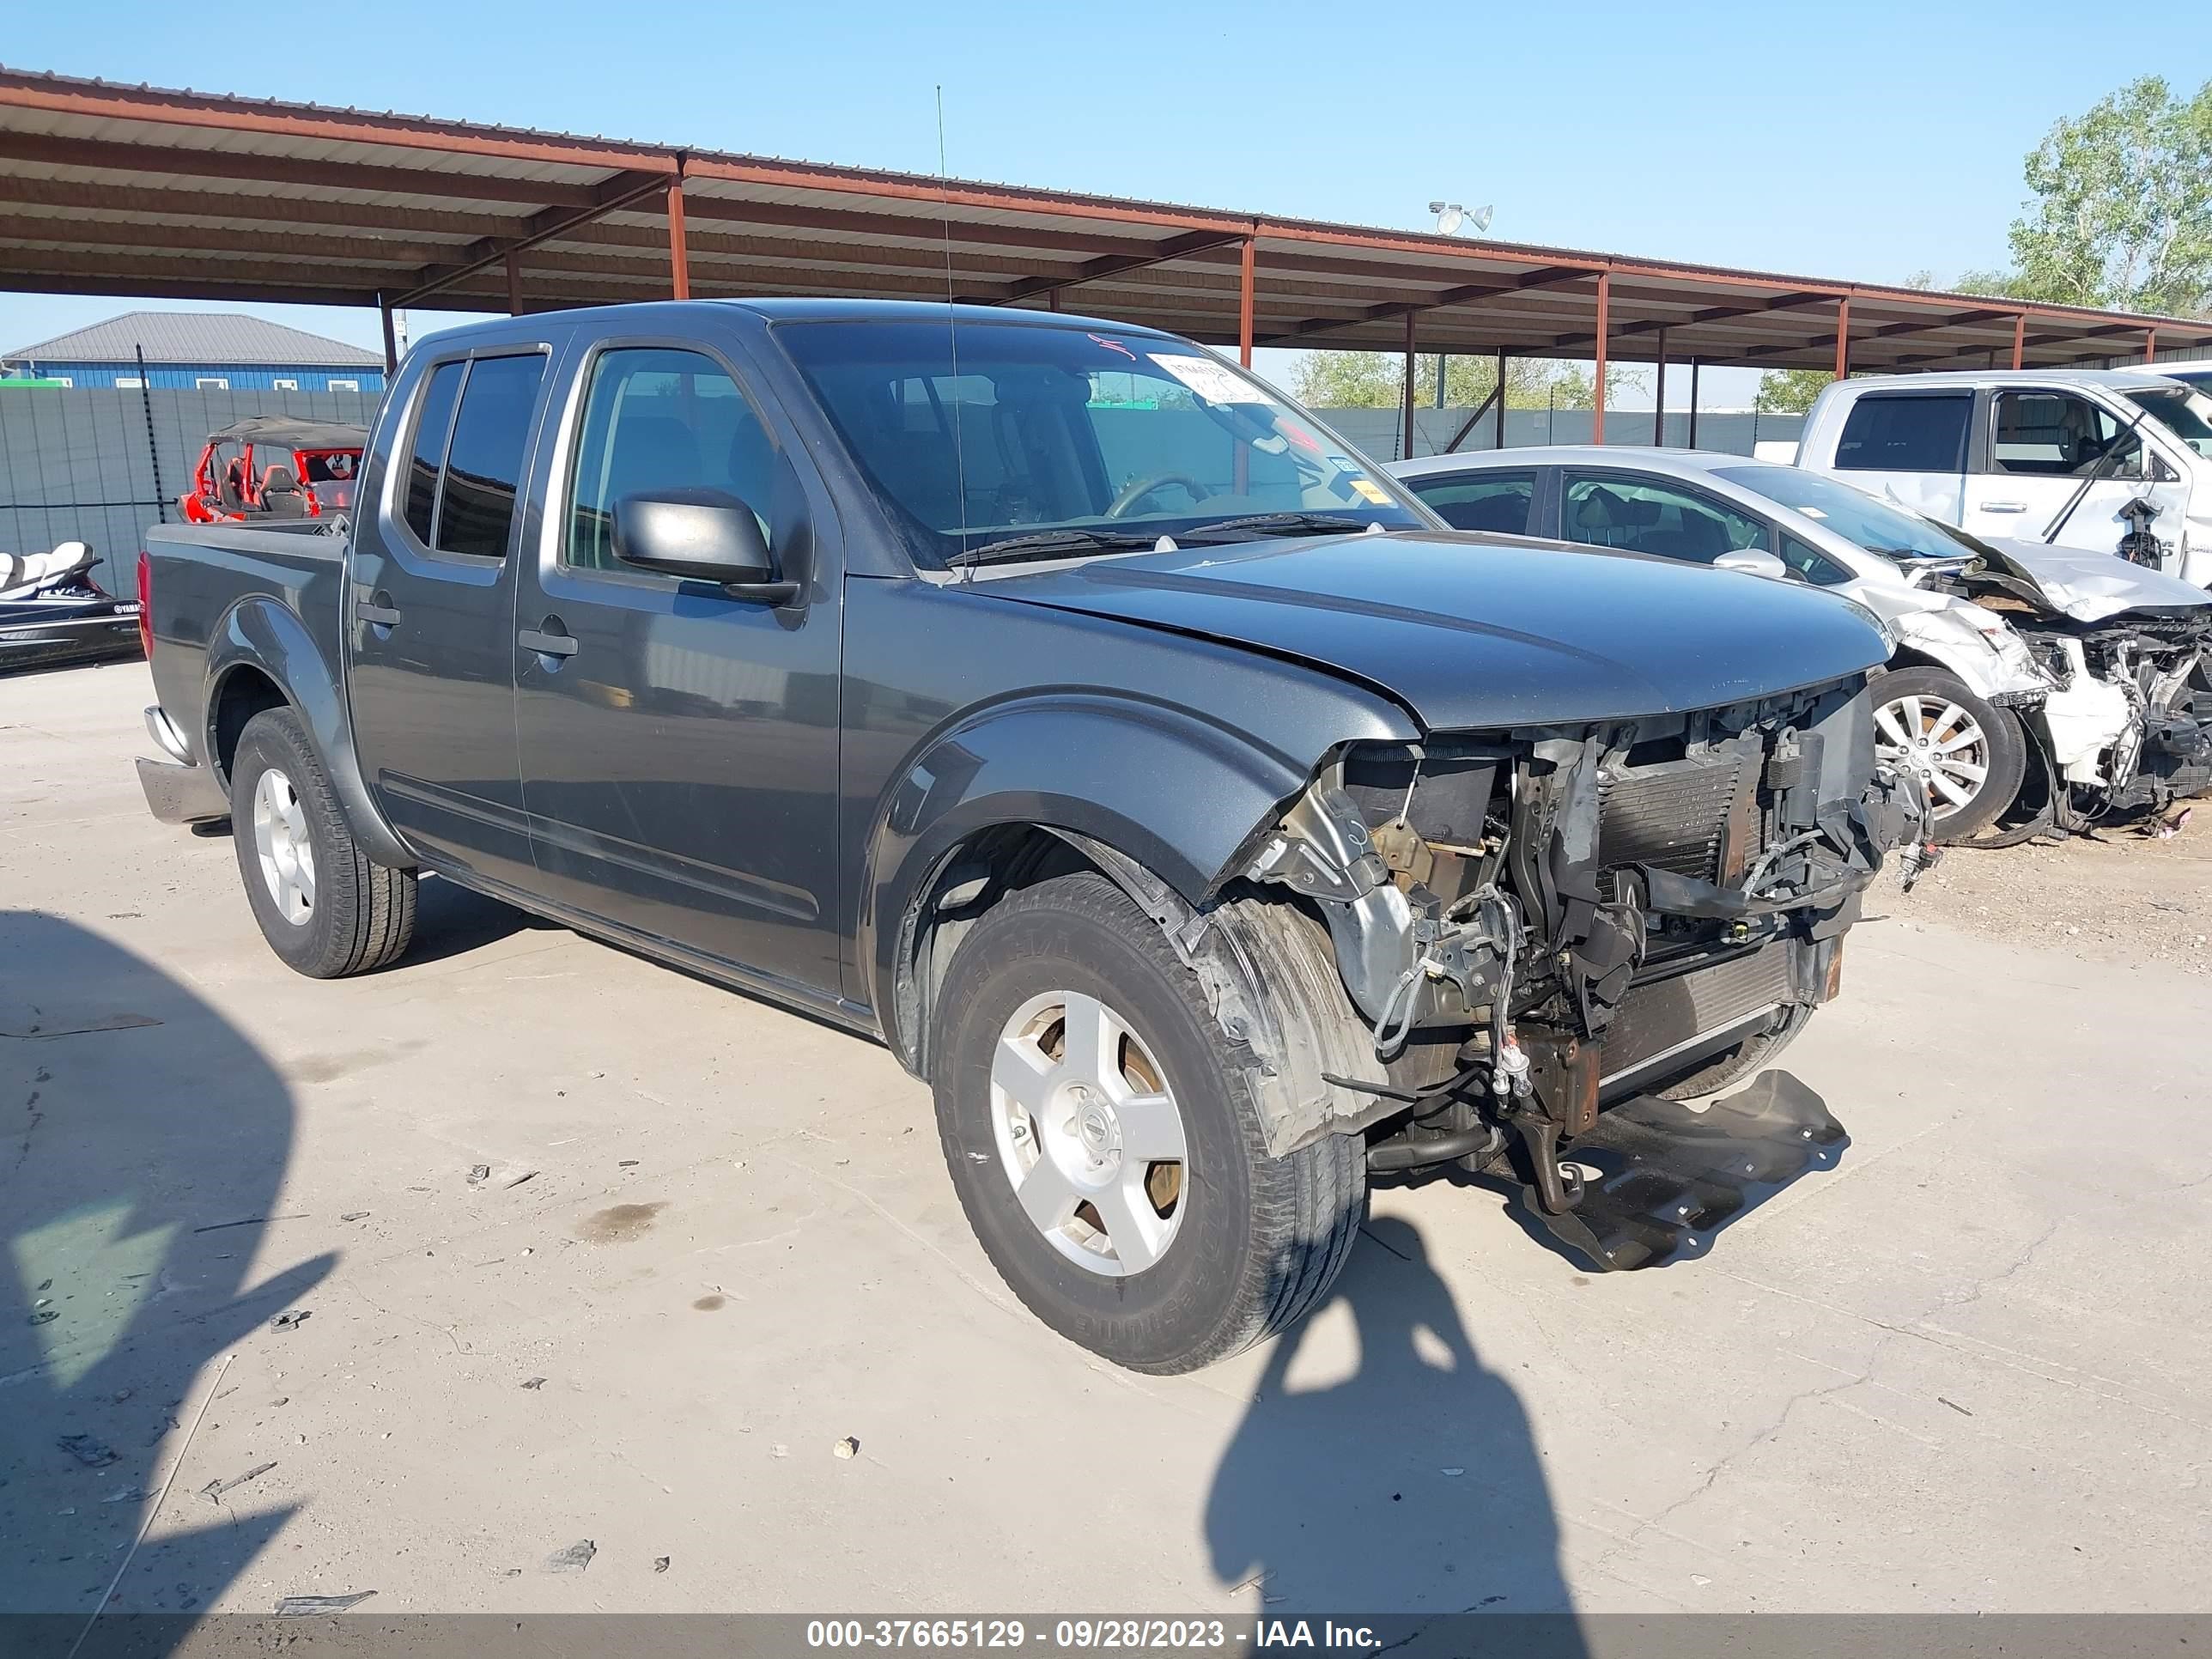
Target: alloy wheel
pixel 1940 743
pixel 283 845
pixel 1088 1132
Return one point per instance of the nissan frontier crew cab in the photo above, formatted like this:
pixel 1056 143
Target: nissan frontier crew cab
pixel 1047 698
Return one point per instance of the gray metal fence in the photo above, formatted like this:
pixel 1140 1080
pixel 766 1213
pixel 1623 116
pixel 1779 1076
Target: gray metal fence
pixel 99 466
pixel 1379 433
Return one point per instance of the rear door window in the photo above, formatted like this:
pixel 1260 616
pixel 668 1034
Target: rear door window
pixel 1480 500
pixel 483 462
pixel 1650 517
pixel 1906 432
pixel 426 451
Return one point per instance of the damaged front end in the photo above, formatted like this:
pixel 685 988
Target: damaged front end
pixel 1541 925
pixel 2126 727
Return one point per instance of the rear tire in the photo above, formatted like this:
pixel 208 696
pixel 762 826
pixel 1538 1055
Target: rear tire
pixel 1932 727
pixel 1181 1260
pixel 326 906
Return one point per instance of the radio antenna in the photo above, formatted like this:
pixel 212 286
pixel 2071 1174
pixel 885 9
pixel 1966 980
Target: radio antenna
pixel 952 335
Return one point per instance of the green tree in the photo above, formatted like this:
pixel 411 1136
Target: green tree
pixel 1376 379
pixel 2122 213
pixel 1574 386
pixel 1791 391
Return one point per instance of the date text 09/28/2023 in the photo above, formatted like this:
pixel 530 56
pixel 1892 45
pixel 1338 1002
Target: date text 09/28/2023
pixel 1089 1635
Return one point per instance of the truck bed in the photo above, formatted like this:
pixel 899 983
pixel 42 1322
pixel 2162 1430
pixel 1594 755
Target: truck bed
pixel 200 576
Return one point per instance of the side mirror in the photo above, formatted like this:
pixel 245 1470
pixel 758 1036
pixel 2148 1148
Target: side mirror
pixel 702 535
pixel 1751 562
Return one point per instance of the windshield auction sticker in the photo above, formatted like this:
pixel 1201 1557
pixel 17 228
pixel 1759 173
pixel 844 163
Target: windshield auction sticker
pixel 1214 381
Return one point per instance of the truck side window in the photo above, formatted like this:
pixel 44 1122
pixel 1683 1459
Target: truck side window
pixel 1654 517
pixel 483 463
pixel 1906 432
pixel 426 453
pixel 1480 500
pixel 2057 434
pixel 656 419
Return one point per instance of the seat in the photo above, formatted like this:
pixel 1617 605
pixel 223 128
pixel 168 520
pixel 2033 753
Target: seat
pixel 22 573
pixel 280 494
pixel 230 488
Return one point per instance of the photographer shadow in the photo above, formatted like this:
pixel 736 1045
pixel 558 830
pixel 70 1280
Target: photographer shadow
pixel 1413 1486
pixel 145 1146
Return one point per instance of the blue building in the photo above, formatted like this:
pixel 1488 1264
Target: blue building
pixel 213 351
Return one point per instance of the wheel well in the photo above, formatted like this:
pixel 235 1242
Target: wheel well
pixel 244 693
pixel 1905 657
pixel 969 880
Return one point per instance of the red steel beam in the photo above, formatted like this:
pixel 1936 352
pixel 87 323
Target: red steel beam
pixel 1406 447
pixel 2020 340
pixel 1604 304
pixel 1246 298
pixel 2150 345
pixel 1843 338
pixel 679 261
pixel 514 282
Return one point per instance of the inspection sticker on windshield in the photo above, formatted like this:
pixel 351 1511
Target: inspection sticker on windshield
pixel 1369 491
pixel 1214 380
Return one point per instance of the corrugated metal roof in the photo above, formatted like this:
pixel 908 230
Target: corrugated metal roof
pixel 194 336
pixel 126 190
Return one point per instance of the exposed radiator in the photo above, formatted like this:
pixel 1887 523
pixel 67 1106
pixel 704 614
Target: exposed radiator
pixel 1666 1013
pixel 1673 815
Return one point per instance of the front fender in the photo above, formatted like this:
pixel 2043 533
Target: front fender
pixel 1180 794
pixel 264 633
pixel 1951 644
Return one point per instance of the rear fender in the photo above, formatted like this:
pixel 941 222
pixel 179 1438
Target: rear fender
pixel 261 633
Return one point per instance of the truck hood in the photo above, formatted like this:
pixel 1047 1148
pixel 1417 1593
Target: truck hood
pixel 1470 631
pixel 2090 586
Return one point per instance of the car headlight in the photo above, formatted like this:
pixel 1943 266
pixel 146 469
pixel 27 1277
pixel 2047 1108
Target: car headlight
pixel 1867 616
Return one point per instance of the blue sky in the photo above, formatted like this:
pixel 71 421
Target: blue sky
pixel 1867 142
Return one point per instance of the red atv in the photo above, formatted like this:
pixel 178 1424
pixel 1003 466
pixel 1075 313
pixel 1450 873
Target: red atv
pixel 274 466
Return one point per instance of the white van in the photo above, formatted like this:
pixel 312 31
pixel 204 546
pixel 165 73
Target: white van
pixel 2008 453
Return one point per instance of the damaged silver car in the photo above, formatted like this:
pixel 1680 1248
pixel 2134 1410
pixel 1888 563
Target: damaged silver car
pixel 2028 685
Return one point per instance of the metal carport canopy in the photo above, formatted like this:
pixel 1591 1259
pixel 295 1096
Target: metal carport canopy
pixel 106 189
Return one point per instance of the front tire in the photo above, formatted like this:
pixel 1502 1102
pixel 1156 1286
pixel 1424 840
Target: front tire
pixel 326 906
pixel 1968 756
pixel 1105 1144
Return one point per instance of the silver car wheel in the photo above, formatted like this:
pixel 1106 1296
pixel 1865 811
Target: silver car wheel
pixel 1940 743
pixel 281 843
pixel 1089 1134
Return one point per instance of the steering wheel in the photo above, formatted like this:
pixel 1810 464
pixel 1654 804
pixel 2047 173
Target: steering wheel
pixel 1137 489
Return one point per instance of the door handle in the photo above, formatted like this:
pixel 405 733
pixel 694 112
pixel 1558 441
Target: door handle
pixel 2004 507
pixel 378 616
pixel 546 644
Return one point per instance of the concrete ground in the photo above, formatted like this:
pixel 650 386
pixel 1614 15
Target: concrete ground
pixel 1969 1370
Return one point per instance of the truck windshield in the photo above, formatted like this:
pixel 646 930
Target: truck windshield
pixel 1857 517
pixel 1022 441
pixel 2187 414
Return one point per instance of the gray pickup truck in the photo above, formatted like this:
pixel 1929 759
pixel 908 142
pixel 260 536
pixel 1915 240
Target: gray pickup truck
pixel 1205 823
